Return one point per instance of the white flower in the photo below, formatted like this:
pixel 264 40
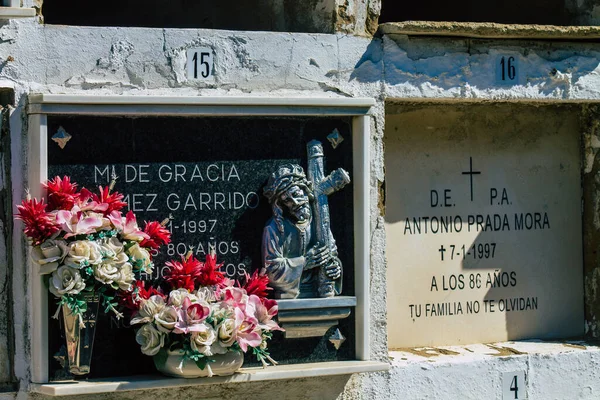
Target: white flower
pixel 82 253
pixel 49 255
pixel 121 258
pixel 66 280
pixel 140 258
pixel 207 294
pixel 148 310
pixel 114 266
pixel 226 334
pixel 221 311
pixel 166 319
pixel 202 338
pixel 150 339
pixel 107 252
pixel 126 277
pixel 177 296
pixel 106 272
pixel 113 245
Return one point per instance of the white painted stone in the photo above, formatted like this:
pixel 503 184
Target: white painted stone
pixel 16 12
pixel 360 68
pixel 312 61
pixel 74 60
pixel 554 371
pixel 433 68
pixel 492 256
pixel 246 375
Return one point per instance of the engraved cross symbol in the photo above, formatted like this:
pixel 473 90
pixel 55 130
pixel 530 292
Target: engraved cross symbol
pixel 470 172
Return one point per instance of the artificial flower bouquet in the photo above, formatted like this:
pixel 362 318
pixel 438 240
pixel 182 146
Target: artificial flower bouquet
pixel 86 245
pixel 202 315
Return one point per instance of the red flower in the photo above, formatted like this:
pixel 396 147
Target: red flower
pixel 211 275
pixel 114 200
pixel 132 298
pixel 184 274
pixel 85 196
pixel 62 194
pixel 257 284
pixel 39 224
pixel 159 235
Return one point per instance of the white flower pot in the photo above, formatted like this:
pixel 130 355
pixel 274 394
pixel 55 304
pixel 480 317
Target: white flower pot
pixel 174 365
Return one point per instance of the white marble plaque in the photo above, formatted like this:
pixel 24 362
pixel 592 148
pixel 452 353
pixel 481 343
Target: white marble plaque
pixel 483 224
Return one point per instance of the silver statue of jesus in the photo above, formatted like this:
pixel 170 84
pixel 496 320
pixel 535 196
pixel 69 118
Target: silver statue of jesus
pixel 299 252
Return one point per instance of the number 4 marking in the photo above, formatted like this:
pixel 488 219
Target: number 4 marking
pixel 514 386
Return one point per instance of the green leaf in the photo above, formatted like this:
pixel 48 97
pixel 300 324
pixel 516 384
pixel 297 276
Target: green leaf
pixel 160 358
pixel 201 362
pixel 128 245
pixel 175 345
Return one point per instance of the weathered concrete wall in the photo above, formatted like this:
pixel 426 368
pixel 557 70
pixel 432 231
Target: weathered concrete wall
pixel 6 319
pixel 456 68
pixel 552 372
pixel 419 67
pixel 120 59
pixel 591 218
pixel 584 12
pixel 146 61
pixel 59 59
pixel 357 17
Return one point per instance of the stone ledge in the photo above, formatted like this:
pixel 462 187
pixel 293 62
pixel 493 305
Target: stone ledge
pixel 312 317
pixel 553 370
pixel 196 105
pixel 16 12
pixel 466 353
pixel 490 30
pixel 256 374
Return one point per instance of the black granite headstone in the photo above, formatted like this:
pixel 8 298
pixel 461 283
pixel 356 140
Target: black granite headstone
pixel 207 173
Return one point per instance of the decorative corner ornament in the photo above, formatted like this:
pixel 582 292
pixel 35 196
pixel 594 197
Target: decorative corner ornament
pixel 337 339
pixel 61 137
pixel 335 138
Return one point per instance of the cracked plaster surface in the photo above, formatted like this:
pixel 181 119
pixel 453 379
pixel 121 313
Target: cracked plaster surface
pixel 50 59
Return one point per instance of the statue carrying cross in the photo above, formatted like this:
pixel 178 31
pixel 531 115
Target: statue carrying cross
pixel 299 251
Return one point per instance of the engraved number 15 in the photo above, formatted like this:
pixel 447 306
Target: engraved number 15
pixel 204 65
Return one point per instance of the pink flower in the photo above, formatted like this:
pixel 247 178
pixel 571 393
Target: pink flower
pixel 235 296
pixel 114 201
pixel 86 203
pixel 191 316
pixel 263 310
pixel 76 222
pixel 129 227
pixel 227 282
pixel 116 219
pixel 247 334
